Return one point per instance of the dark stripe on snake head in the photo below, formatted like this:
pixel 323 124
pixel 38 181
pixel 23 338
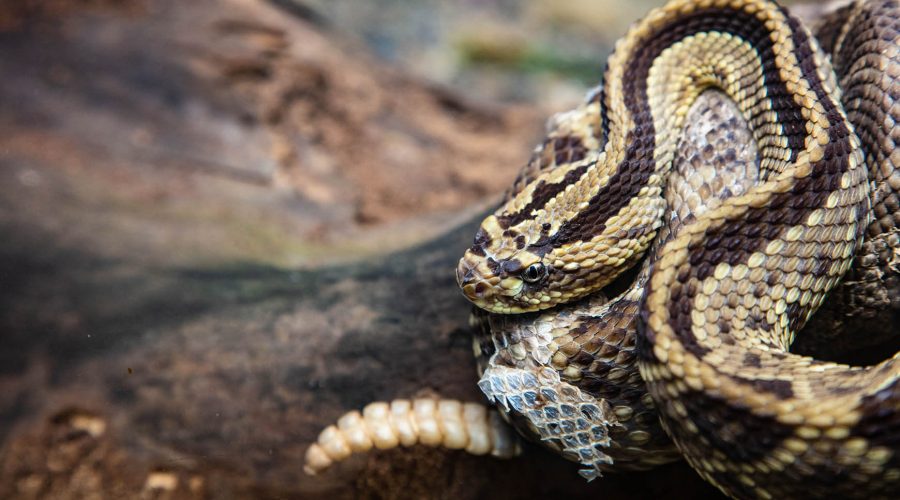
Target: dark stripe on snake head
pixel 482 241
pixel 542 193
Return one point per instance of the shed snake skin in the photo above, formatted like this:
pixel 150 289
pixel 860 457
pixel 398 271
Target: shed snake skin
pixel 702 337
pixel 640 291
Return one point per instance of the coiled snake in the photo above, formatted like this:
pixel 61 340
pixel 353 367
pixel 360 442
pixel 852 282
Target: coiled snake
pixel 717 311
pixel 741 249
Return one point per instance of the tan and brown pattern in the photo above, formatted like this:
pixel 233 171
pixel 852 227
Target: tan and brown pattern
pixel 573 228
pixel 546 371
pixel 584 355
pixel 711 316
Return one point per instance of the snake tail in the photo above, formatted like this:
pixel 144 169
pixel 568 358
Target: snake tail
pixel 431 422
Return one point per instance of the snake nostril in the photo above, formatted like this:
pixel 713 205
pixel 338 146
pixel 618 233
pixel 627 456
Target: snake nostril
pixel 479 290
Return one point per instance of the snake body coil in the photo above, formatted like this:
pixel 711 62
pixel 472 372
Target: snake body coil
pixel 712 314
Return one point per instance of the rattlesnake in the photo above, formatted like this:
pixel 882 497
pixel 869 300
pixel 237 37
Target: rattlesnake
pixel 696 346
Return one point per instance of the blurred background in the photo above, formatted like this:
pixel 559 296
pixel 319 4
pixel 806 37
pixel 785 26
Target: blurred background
pixel 540 51
pixel 323 108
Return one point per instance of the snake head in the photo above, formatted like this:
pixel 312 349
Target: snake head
pixel 557 241
pixel 499 274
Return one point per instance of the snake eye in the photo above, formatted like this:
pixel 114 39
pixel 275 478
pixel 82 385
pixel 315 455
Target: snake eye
pixel 534 273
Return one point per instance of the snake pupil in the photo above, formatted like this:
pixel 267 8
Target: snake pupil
pixel 534 273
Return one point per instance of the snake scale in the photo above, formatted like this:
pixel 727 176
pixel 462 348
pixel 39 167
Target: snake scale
pixel 639 291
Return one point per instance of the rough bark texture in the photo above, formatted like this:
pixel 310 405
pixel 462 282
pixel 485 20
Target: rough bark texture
pixel 169 172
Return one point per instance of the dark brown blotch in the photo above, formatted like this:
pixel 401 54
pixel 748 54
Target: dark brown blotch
pixel 752 360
